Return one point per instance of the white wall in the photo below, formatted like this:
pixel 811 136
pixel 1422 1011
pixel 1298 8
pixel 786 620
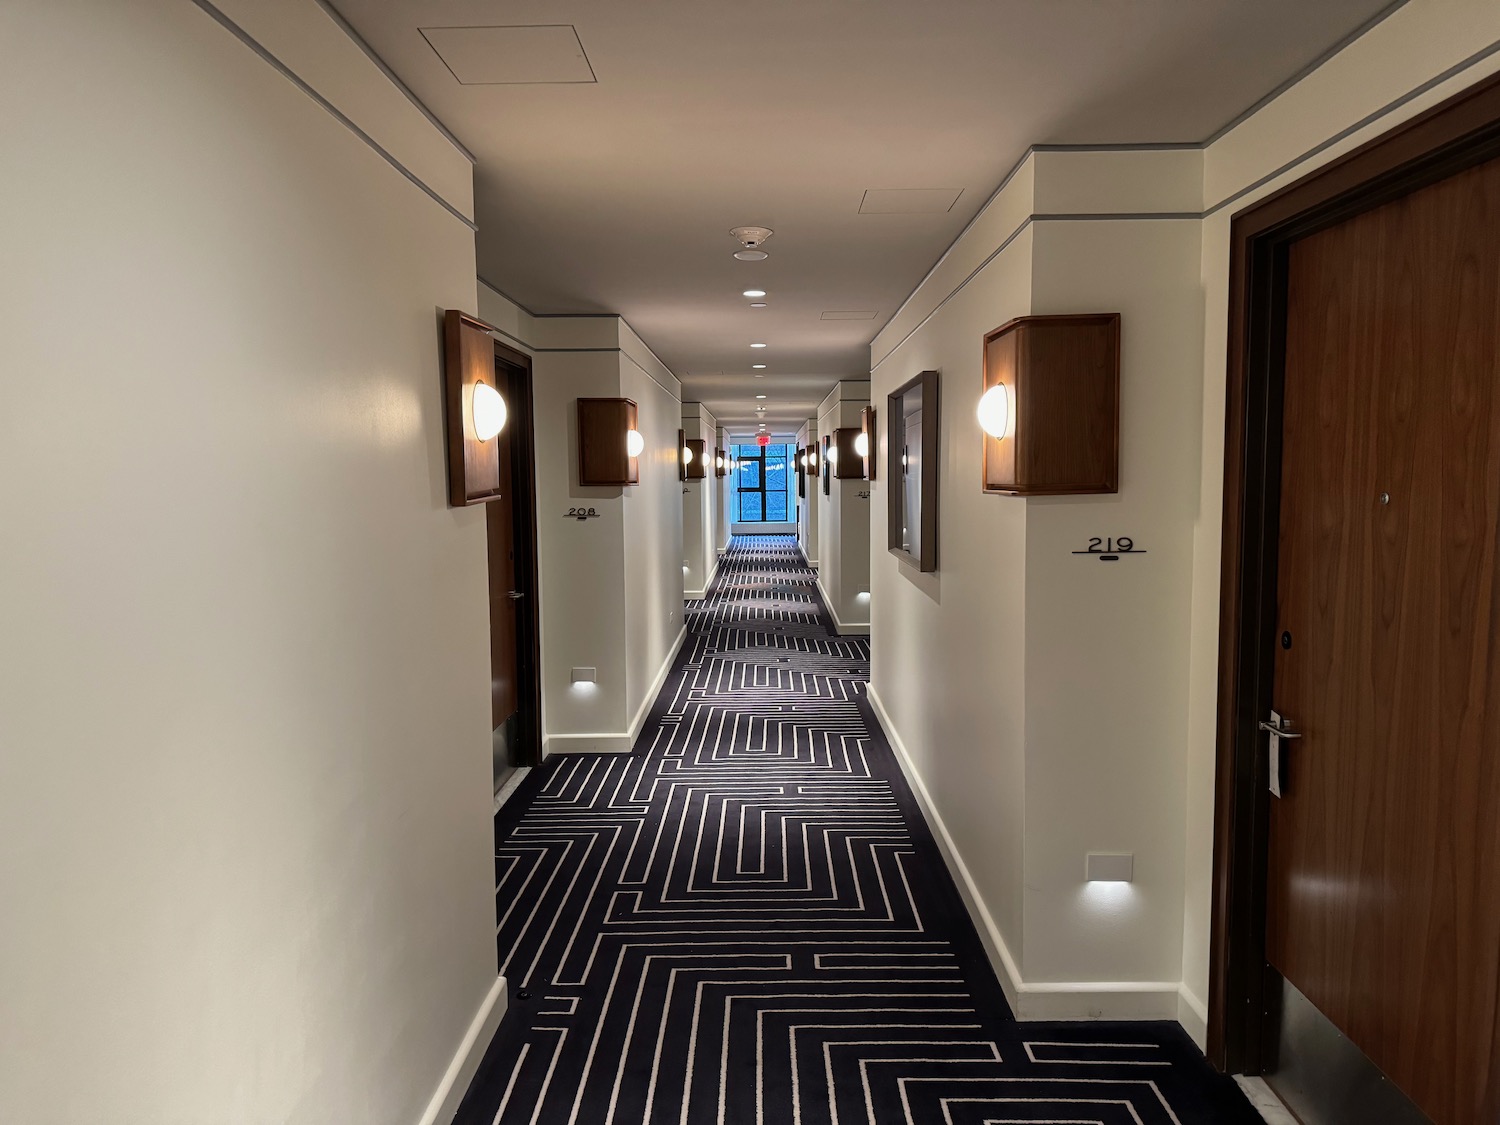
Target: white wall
pixel 653 531
pixel 843 519
pixel 1425 52
pixel 1021 682
pixel 245 829
pixel 611 586
pixel 808 535
pixel 702 501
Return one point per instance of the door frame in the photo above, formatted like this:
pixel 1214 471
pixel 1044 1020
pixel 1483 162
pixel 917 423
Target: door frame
pixel 528 617
pixel 1457 134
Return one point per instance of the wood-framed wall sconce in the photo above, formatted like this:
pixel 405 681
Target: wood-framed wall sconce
pixel 609 444
pixel 827 476
pixel 1050 406
pixel 867 441
pixel 695 458
pixel 473 409
pixel 721 462
pixel 844 454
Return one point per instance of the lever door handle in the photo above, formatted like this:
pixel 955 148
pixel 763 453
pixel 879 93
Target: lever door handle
pixel 1278 730
pixel 515 595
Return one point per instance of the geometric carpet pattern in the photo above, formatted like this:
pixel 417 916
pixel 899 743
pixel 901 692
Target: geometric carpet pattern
pixel 745 920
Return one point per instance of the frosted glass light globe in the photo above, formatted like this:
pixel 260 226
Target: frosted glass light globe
pixel 862 444
pixel 687 455
pixel 635 445
pixel 994 411
pixel 488 411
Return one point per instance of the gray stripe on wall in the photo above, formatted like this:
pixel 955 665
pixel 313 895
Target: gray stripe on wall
pixel 246 38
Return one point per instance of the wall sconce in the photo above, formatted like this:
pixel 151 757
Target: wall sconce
pixel 720 463
pixel 609 444
pixel 994 411
pixel 1050 405
pixel 474 412
pixel 844 455
pixel 695 458
pixel 487 411
pixel 684 455
pixel 864 444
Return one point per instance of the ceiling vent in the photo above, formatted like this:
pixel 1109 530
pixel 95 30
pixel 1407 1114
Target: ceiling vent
pixel 533 54
pixel 909 201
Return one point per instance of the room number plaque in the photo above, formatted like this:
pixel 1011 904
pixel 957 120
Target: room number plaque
pixel 1111 550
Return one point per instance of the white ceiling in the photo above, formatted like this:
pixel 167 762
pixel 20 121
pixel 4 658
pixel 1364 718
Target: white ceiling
pixel 617 195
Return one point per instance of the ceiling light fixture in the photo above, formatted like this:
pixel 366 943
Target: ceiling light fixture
pixel 758 367
pixel 757 304
pixel 757 345
pixel 760 396
pixel 755 292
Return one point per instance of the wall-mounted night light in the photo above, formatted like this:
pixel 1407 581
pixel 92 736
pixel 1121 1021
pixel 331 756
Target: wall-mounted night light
pixel 1109 867
pixel 635 445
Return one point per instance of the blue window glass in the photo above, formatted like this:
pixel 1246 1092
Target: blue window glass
pixel 761 483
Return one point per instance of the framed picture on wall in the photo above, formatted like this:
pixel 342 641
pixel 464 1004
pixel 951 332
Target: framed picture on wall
pixel 912 439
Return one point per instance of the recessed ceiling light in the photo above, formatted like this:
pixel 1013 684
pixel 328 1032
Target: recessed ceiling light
pixel 758 366
pixel 757 345
pixel 760 376
pixel 760 396
pixel 757 304
pixel 755 292
pixel 752 255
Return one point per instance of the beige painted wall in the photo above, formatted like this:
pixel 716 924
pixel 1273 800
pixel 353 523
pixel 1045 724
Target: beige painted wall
pixel 1018 681
pixel 611 586
pixel 843 519
pixel 245 829
pixel 807 506
pixel 702 504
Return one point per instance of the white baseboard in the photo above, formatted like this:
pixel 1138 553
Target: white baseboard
pixel 707 582
pixel 1042 1000
pixel 621 742
pixel 847 628
pixel 455 1084
pixel 1192 1013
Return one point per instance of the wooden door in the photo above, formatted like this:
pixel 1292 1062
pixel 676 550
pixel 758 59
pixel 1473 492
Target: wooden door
pixel 1383 892
pixel 505 695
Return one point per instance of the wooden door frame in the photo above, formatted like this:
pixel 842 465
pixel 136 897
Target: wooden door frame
pixel 528 617
pixel 1460 133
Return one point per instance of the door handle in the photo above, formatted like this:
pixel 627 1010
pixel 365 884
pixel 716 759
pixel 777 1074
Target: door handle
pixel 1278 728
pixel 1281 728
pixel 515 595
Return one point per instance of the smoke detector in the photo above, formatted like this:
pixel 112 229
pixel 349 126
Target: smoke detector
pixel 751 239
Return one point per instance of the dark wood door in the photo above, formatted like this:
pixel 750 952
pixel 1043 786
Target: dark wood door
pixel 1383 894
pixel 500 523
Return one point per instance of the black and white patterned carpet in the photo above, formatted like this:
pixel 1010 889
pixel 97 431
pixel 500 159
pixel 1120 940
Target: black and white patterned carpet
pixel 746 919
